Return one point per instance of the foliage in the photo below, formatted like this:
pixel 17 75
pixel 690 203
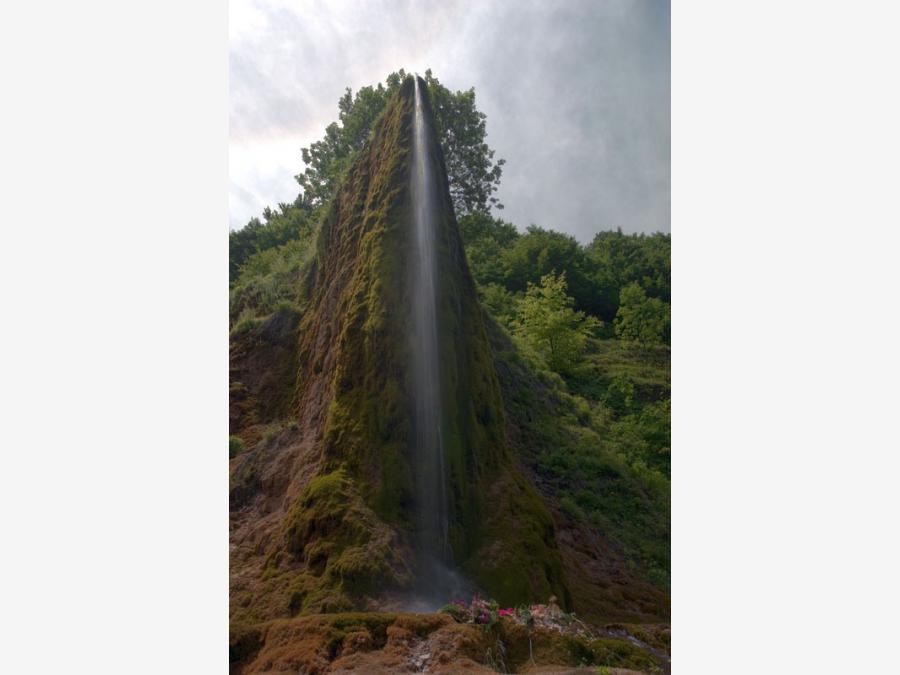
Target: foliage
pixel 486 239
pixel 619 395
pixel 477 226
pixel 641 319
pixel 472 173
pixel 269 279
pixel 500 304
pixel 292 221
pixel 644 437
pixel 549 326
pixel 540 252
pixel 640 258
pixel 604 451
pixel 499 254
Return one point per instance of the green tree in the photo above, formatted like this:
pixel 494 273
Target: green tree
pixel 291 221
pixel 485 239
pixel 472 172
pixel 540 252
pixel 641 319
pixel 326 159
pixel 620 259
pixel 550 327
pixel 500 304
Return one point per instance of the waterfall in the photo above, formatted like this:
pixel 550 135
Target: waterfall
pixel 431 480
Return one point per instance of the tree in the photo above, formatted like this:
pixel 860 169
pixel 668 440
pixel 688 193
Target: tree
pixel 549 326
pixel 641 319
pixel 461 127
pixel 499 303
pixel 291 221
pixel 326 159
pixel 485 239
pixel 471 170
pixel 540 252
pixel 620 259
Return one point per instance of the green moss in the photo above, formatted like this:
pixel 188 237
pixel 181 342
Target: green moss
pixel 344 545
pixel 235 446
pixel 519 530
pixel 395 487
pixel 553 647
pixel 614 653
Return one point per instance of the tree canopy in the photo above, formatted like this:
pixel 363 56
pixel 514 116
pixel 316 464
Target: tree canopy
pixel 472 172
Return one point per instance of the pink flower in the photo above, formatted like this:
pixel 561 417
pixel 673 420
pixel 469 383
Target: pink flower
pixel 506 612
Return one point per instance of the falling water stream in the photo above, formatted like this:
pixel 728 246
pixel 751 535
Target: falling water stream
pixel 431 481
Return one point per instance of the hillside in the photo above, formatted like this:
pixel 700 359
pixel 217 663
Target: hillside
pixel 556 483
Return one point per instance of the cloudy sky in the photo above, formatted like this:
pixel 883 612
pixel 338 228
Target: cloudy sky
pixel 576 94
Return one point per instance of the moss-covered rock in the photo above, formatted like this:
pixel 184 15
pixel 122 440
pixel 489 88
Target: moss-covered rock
pixel 342 542
pixel 390 643
pixel 354 353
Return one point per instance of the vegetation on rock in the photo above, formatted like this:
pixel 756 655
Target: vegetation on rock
pixel 555 389
pixel 382 643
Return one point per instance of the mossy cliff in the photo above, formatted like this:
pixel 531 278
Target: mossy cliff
pixel 323 501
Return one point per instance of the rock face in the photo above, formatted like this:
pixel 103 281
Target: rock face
pixel 323 505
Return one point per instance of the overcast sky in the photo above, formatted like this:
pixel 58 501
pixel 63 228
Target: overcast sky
pixel 576 94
